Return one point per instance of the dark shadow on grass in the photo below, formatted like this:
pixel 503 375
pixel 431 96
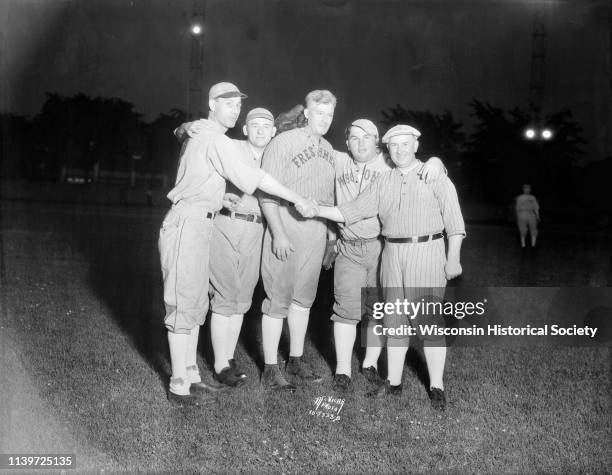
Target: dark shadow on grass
pixel 320 328
pixel 125 275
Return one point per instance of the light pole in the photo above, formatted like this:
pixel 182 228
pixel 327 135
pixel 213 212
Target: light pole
pixel 196 59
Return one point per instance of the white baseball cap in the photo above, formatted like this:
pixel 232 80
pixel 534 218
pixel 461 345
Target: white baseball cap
pixel 400 129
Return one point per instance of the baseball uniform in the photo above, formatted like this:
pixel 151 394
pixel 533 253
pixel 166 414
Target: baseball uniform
pixel 206 161
pixel 407 207
pixel 304 163
pixel 526 218
pixel 359 247
pixel 236 241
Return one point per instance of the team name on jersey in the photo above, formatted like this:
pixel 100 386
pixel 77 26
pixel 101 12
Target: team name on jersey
pixel 350 177
pixel 311 152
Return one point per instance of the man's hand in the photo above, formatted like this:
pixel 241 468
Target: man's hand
pixel 307 208
pixel 231 201
pixel 432 170
pixel 282 247
pixel 452 269
pixel 189 130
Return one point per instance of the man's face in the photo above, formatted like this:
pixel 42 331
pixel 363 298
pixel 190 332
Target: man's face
pixel 402 149
pixel 319 117
pixel 361 144
pixel 226 111
pixel 259 131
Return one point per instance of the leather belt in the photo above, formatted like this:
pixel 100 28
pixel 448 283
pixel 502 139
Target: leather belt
pixel 356 242
pixel 412 239
pixel 252 218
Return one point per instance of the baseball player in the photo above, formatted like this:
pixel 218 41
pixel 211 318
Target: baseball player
pixel 413 215
pixel 236 241
pixel 206 161
pixel 293 247
pixel 359 248
pixel 527 215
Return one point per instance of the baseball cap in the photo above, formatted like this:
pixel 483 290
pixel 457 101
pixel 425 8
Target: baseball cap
pixel 257 113
pixel 366 125
pixel 224 90
pixel 400 129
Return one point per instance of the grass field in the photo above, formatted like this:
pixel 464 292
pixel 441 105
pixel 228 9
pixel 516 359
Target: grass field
pixel 85 367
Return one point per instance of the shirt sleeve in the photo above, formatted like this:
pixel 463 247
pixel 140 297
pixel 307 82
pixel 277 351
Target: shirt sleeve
pixel 224 156
pixel 274 162
pixel 362 207
pixel 446 194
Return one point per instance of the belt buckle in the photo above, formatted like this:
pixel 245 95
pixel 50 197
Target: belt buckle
pixel 250 218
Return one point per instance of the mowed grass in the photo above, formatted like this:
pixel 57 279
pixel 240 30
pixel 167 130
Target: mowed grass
pixel 81 323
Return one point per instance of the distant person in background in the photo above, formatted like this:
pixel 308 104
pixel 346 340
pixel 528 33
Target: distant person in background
pixel 527 215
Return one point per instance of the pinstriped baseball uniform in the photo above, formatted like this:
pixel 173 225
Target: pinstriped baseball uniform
pixel 234 264
pixel 358 260
pixel 407 206
pixel 303 163
pixel 206 161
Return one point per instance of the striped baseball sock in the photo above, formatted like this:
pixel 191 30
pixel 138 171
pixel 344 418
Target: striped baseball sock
pixel 297 319
pixel 193 374
pixel 218 334
pixel 435 356
pixel 344 338
pixel 177 343
pixel 396 356
pixel 233 334
pixel 271 329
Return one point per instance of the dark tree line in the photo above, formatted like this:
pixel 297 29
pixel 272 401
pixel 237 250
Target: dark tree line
pixel 87 134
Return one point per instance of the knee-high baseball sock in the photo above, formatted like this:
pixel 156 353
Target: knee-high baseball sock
pixel 271 330
pixel 344 339
pixel 192 347
pixel 191 357
pixel 435 356
pixel 371 356
pixel 374 344
pixel 396 356
pixel 233 334
pixel 219 325
pixel 297 319
pixel 534 238
pixel 177 343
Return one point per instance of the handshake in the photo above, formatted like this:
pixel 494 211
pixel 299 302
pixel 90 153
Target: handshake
pixel 307 208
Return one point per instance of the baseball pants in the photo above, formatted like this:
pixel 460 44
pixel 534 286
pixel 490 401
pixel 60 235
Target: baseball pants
pixel 184 241
pixel 234 264
pixel 296 279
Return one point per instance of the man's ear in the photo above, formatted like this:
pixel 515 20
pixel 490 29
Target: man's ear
pixel 306 113
pixel 211 104
pixel 244 130
pixel 273 131
pixel 416 146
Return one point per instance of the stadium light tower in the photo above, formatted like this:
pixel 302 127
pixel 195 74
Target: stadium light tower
pixel 537 77
pixel 196 58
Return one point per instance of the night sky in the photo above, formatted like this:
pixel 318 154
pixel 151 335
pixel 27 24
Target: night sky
pixel 432 55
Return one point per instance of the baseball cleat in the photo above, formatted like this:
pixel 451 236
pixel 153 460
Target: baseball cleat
pixel 235 369
pixel 202 387
pixel 342 383
pixel 300 370
pixel 229 378
pixel 437 398
pixel 273 379
pixel 191 399
pixel 385 389
pixel 371 375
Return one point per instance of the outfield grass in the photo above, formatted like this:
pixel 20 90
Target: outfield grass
pixel 85 364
